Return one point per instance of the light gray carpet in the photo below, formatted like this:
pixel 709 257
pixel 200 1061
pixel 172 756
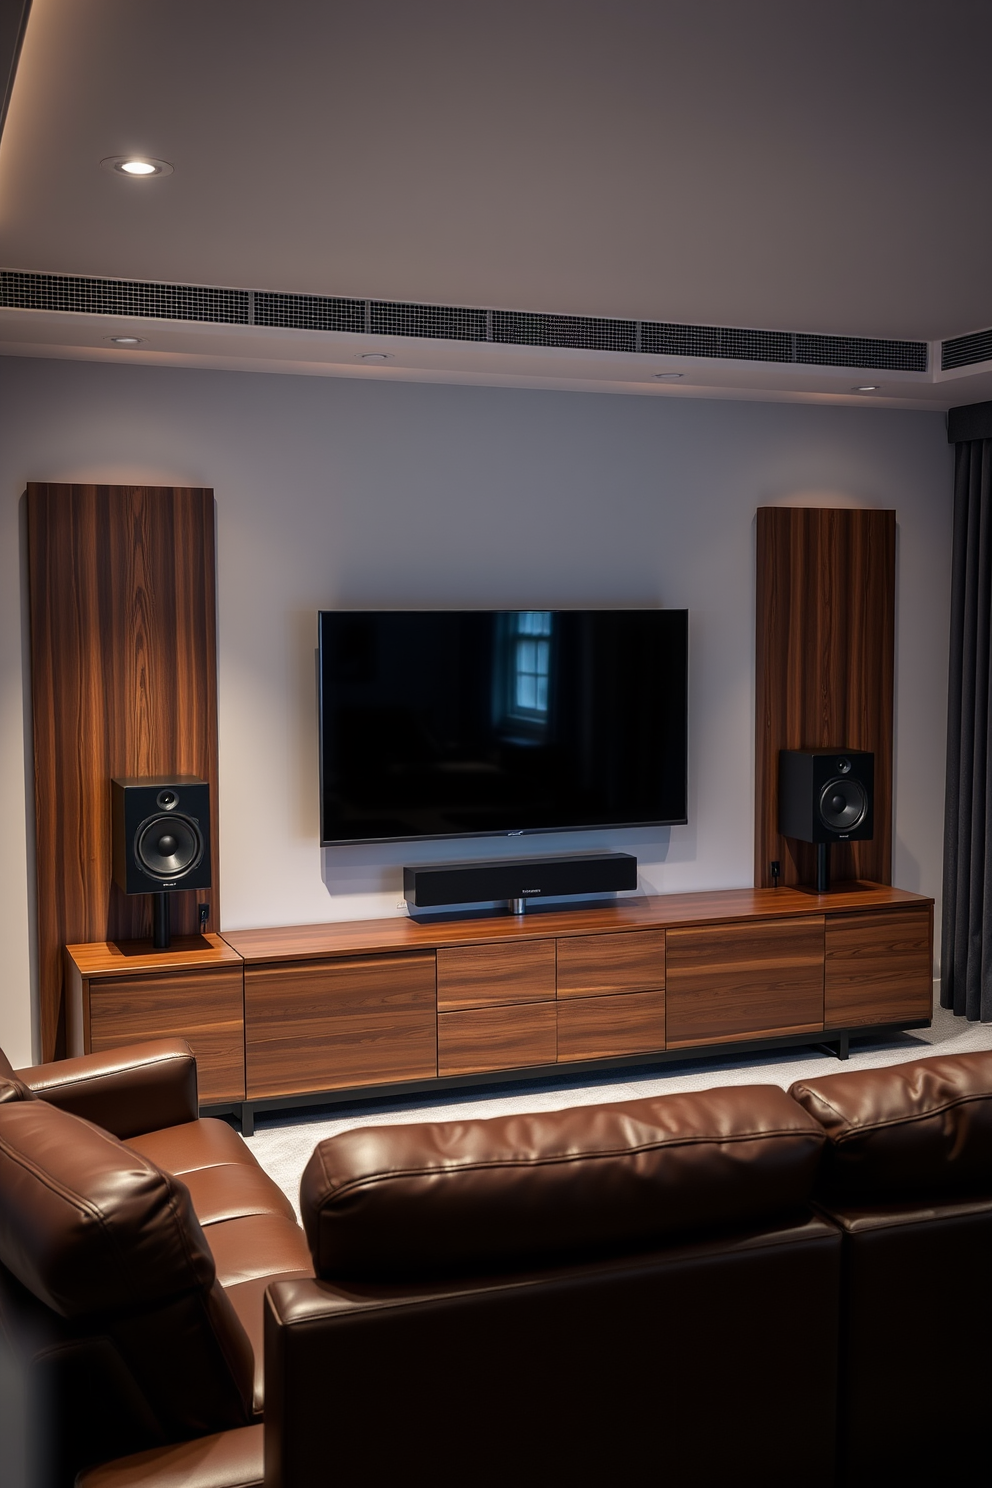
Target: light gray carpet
pixel 284 1140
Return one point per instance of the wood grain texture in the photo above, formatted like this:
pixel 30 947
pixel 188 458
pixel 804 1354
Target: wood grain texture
pixel 599 965
pixel 328 1025
pixel 825 629
pixel 484 975
pixel 744 981
pixel 878 968
pixel 204 1007
pixel 362 937
pixel 123 678
pixel 608 1027
pixel 495 1038
pixel 137 958
pixel 134 959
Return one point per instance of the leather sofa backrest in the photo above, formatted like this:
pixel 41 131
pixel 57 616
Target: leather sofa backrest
pixel 106 1274
pixel 405 1201
pixel 908 1131
pixel 86 1223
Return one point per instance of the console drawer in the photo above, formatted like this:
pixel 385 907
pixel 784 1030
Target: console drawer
pixel 487 975
pixel 598 965
pixel 608 1027
pixel 496 1038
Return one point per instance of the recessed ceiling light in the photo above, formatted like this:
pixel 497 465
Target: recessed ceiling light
pixel 667 376
pixel 375 356
pixel 867 387
pixel 125 340
pixel 138 167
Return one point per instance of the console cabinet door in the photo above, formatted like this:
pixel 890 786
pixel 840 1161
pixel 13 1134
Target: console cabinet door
pixel 328 1025
pixel 753 979
pixel 204 1007
pixel 879 968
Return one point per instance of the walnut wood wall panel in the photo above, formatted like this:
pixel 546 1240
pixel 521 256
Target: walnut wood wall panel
pixel 825 626
pixel 123 676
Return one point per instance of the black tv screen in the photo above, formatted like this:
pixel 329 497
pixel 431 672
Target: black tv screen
pixel 460 723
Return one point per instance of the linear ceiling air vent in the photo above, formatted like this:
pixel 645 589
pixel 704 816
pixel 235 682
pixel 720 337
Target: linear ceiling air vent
pixel 861 351
pixel 662 339
pixel 123 297
pixel 965 351
pixel 437 322
pixel 307 312
pixel 586 332
pixel 78 295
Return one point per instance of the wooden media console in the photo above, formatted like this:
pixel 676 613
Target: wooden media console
pixel 303 1015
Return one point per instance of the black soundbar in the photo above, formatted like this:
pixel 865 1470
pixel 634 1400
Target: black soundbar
pixel 431 885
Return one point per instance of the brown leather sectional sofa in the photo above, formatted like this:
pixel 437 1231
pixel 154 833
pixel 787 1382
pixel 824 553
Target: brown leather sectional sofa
pixel 733 1287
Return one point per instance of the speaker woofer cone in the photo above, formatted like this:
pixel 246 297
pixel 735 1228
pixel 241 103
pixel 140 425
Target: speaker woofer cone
pixel 167 847
pixel 843 804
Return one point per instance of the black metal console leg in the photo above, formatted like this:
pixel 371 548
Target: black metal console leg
pixel 247 1121
pixel 843 1046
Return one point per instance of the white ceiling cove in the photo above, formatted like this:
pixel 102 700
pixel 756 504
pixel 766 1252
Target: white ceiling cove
pixel 774 165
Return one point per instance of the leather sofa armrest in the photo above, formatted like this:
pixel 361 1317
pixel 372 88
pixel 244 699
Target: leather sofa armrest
pixel 230 1459
pixel 128 1091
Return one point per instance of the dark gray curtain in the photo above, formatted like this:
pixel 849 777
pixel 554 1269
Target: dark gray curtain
pixel 966 938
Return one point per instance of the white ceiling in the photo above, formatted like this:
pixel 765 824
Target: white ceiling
pixel 774 164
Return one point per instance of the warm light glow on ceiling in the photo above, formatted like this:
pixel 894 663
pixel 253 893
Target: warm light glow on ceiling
pixel 137 167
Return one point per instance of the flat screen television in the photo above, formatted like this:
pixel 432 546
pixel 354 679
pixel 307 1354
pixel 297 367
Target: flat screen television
pixel 464 723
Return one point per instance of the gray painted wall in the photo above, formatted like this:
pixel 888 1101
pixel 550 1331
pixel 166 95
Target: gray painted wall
pixel 359 493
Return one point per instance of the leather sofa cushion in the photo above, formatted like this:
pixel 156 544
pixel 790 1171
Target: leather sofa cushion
pixel 86 1223
pixel 205 1143
pixel 233 1459
pixel 908 1131
pixel 248 1300
pixel 402 1201
pixel 257 1245
pixel 249 1223
pixel 222 1175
